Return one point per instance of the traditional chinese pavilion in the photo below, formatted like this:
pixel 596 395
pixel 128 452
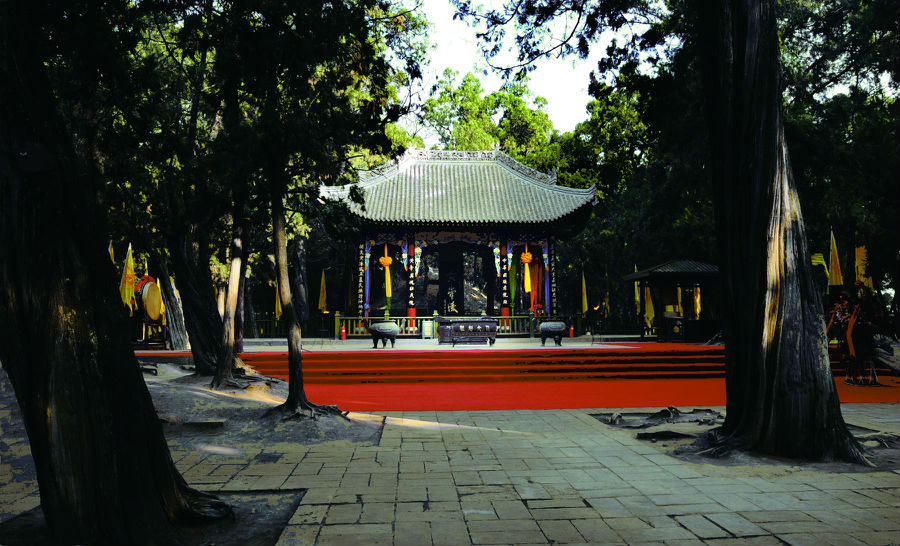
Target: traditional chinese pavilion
pixel 669 299
pixel 461 233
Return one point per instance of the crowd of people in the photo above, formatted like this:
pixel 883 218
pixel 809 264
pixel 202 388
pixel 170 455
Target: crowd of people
pixel 853 323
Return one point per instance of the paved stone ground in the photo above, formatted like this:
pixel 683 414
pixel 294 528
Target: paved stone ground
pixel 534 477
pixel 556 477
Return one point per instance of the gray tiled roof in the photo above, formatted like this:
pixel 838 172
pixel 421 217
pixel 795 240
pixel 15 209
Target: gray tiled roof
pixel 425 186
pixel 675 268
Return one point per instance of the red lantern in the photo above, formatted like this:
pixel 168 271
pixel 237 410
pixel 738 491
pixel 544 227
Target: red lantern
pixel 343 333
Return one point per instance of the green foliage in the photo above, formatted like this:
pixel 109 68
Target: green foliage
pixel 362 158
pixel 831 46
pixel 465 118
pixel 846 162
pixel 841 119
pixel 200 104
pixel 840 79
pixel 218 271
pixel 608 149
pixel 644 147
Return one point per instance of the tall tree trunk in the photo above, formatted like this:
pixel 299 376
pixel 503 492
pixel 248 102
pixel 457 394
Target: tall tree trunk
pixel 250 328
pixel 174 314
pixel 103 466
pixel 298 277
pixel 228 357
pixel 239 310
pixel 296 393
pixel 781 397
pixel 202 320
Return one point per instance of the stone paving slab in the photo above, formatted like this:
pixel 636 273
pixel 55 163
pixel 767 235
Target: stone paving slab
pixel 540 477
pixel 561 477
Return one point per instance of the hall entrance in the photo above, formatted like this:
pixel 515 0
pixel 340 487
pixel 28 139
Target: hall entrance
pixel 460 280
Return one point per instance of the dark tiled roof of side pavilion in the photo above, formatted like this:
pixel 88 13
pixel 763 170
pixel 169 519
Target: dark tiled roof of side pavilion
pixel 674 268
pixel 425 186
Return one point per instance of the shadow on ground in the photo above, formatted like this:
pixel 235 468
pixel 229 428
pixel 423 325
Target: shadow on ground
pixel 683 434
pixel 230 425
pixel 259 519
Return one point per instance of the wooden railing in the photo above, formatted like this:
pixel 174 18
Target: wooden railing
pixel 516 325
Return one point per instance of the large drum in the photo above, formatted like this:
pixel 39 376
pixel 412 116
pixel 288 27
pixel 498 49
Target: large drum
pixel 150 315
pixel 150 297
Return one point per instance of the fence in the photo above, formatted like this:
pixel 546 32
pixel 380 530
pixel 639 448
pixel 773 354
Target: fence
pixel 268 327
pixel 517 325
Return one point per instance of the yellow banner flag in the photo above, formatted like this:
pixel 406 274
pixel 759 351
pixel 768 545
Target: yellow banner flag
pixel 649 314
pixel 834 275
pixel 526 263
pixel 819 259
pixel 862 260
pixel 584 300
pixel 637 294
pixel 386 262
pixel 323 305
pixel 277 302
pixel 126 285
pixel 112 256
pixel 697 300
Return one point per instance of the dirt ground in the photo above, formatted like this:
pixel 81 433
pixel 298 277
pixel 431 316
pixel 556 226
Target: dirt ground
pixel 681 434
pixel 194 415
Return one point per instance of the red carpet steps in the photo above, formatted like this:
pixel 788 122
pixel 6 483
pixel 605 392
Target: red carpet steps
pixel 635 375
pixel 657 361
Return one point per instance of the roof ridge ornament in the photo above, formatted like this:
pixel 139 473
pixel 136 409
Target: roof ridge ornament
pixel 526 170
pixel 415 154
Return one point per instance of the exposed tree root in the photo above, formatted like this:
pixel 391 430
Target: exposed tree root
pixel 235 383
pixel 305 410
pixel 663 435
pixel 717 451
pixel 670 414
pixel 201 507
pixel 717 443
pixel 241 382
pixel 238 378
pixel 719 446
pixel 884 439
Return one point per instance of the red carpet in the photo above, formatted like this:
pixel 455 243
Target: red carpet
pixel 656 360
pixel 586 393
pixel 639 375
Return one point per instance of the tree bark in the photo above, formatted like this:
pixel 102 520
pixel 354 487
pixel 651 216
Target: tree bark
pixel 249 311
pixel 296 393
pixel 202 320
pixel 103 466
pixel 781 397
pixel 297 273
pixel 239 310
pixel 227 356
pixel 174 314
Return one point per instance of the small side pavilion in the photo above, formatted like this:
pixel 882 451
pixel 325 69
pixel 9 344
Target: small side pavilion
pixel 678 300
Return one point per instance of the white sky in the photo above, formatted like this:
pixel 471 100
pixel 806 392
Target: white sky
pixel 563 82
